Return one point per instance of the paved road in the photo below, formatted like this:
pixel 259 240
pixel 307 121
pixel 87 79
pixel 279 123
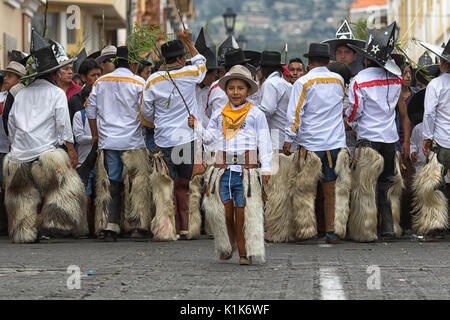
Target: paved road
pixel 190 270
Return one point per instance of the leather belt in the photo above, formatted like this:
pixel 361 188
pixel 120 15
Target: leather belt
pixel 248 160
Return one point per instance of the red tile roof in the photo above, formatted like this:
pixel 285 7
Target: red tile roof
pixel 367 3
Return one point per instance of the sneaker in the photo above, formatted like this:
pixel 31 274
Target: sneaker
pixel 332 238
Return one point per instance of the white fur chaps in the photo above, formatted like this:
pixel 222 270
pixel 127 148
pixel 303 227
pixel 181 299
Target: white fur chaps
pixel 306 170
pixel 363 207
pixel 137 213
pixel 253 214
pixel 430 211
pixel 342 193
pixel 278 210
pixel 163 222
pixel 394 195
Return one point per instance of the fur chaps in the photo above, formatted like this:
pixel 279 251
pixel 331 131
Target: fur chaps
pixel 103 196
pixel 163 222
pixel 65 200
pixel 394 194
pixel 363 207
pixel 278 209
pixel 195 197
pixel 430 206
pixel 22 199
pixel 137 190
pixel 305 174
pixel 253 213
pixel 342 192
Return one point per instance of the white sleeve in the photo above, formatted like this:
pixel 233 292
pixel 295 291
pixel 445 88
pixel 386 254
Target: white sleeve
pixel 146 106
pixel 78 129
pixel 292 127
pixel 429 116
pixel 62 117
pixel 264 143
pixel 199 63
pixel 91 106
pixel 356 101
pixel 269 99
pixel 208 136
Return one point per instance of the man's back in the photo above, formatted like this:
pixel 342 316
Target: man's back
pixel 114 102
pixel 373 95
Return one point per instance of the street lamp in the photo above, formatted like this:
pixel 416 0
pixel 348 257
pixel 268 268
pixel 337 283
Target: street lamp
pixel 229 18
pixel 242 41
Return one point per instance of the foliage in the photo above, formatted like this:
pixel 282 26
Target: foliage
pixel 361 31
pixel 143 40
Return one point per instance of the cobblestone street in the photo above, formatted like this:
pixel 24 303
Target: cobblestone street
pixel 190 270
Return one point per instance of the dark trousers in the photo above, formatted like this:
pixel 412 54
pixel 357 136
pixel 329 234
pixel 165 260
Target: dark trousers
pixel 179 163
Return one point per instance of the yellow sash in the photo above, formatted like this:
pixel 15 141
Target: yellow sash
pixel 233 119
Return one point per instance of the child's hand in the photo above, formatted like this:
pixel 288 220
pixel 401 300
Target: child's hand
pixel 192 121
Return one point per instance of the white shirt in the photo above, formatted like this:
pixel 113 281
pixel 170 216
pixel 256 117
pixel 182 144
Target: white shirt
pixel 368 95
pixel 253 135
pixel 83 136
pixel 416 146
pixel 436 117
pixel 314 116
pixel 201 95
pixel 275 93
pixel 163 105
pixel 114 102
pixel 38 117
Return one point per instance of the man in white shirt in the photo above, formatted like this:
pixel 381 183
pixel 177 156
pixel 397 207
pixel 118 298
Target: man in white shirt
pixel 432 212
pixel 168 106
pixel 275 93
pixel 35 170
pixel 113 113
pixel 314 121
pixel 374 94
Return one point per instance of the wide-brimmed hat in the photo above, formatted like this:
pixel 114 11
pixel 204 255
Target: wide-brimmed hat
pixel 342 69
pixel 318 50
pixel 270 59
pixel 254 57
pixel 428 73
pixel 242 73
pixel 147 61
pixel 15 67
pixel 416 107
pixel 207 48
pixel 344 36
pixel 20 57
pixel 379 48
pixel 106 53
pixel 173 49
pixel 229 44
pixel 80 59
pixel 443 53
pixel 47 56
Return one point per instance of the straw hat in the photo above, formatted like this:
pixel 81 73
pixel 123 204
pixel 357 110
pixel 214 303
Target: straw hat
pixel 241 73
pixel 16 68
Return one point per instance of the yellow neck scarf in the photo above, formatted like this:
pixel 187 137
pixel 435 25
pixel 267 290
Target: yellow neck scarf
pixel 233 119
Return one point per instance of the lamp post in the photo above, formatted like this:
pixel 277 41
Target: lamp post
pixel 242 42
pixel 229 18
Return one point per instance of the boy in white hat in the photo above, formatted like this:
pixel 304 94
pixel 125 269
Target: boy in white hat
pixel 233 197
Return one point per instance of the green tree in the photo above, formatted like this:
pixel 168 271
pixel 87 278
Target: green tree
pixel 361 30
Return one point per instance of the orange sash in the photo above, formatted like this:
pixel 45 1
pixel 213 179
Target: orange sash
pixel 233 119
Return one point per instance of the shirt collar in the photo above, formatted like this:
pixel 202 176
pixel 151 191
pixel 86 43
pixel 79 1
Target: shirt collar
pixel 319 69
pixel 274 74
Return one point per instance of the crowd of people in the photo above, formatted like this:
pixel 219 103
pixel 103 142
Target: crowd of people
pixel 350 142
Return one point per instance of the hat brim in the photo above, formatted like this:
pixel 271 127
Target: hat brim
pixel 439 51
pixel 335 43
pixel 389 65
pixel 12 71
pixel 433 71
pixel 239 63
pixel 307 55
pixel 236 76
pixel 103 58
pixel 38 74
pixel 94 55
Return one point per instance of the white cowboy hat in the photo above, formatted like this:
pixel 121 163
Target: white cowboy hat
pixel 241 73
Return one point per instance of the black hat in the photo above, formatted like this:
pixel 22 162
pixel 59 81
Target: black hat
pixel 443 53
pixel 229 44
pixel 80 59
pixel 318 50
pixel 344 36
pixel 148 61
pixel 270 59
pixel 207 48
pixel 342 69
pixel 398 58
pixel 427 73
pixel 254 56
pixel 173 49
pixel 235 57
pixel 19 57
pixel 416 107
pixel 425 60
pixel 45 56
pixel 379 48
pixel 122 53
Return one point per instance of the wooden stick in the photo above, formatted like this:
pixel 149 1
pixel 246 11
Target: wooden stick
pixel 179 14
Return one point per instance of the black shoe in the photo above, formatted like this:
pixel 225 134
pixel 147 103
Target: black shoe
pixel 183 235
pixel 110 236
